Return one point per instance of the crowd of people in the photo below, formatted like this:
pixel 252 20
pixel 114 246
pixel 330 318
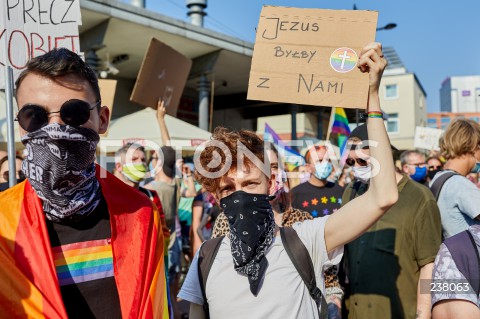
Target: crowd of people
pixel 370 238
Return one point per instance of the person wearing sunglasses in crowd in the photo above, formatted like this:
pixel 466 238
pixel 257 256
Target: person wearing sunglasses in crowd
pixel 76 242
pixel 414 165
pixel 434 165
pixel 384 266
pixel 4 173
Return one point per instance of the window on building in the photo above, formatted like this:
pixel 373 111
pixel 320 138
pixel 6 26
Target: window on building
pixel 432 123
pixel 393 123
pixel 444 122
pixel 391 91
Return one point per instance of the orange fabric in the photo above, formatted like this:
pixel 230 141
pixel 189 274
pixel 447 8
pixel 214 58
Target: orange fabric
pixel 28 281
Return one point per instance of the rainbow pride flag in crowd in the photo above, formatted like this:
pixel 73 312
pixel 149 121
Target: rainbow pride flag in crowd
pixel 340 127
pixel 290 157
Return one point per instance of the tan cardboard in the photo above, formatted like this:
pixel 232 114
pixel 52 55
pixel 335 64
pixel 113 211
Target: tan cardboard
pixel 309 56
pixel 163 75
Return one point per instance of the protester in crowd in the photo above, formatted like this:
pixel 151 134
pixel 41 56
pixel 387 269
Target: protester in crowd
pixel 455 289
pixel 70 207
pixel 185 210
pixel 4 172
pixel 414 165
pixel 434 165
pixel 385 266
pixel 285 215
pixel 252 275
pixel 131 168
pixel 168 188
pixel 459 199
pixel 318 196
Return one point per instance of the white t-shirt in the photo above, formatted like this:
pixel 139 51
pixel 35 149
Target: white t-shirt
pixel 283 294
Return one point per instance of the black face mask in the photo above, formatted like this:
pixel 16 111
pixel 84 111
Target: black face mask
pixel 431 174
pixel 252 227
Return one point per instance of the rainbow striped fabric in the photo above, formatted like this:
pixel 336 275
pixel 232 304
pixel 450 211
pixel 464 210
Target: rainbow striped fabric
pixel 84 261
pixel 290 157
pixel 340 127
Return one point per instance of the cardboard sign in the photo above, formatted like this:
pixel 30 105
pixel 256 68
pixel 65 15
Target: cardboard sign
pixel 163 75
pixel 107 92
pixel 309 56
pixel 427 138
pixel 31 28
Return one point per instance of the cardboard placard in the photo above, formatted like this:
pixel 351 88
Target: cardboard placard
pixel 107 92
pixel 163 75
pixel 427 138
pixel 309 56
pixel 31 28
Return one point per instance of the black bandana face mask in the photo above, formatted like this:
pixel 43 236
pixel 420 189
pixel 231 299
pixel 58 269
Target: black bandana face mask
pixel 252 228
pixel 60 167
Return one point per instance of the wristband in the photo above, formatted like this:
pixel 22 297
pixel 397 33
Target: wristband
pixel 375 115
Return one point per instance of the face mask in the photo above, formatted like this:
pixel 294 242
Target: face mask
pixel 362 173
pixel 135 172
pixel 252 228
pixel 431 174
pixel 323 170
pixel 305 177
pixel 476 168
pixel 60 167
pixel 420 174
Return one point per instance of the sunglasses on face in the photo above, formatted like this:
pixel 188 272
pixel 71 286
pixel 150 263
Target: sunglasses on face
pixel 434 168
pixel 360 161
pixel 73 112
pixel 21 175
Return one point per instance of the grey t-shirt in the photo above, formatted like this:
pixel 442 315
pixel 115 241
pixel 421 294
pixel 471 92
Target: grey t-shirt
pixel 459 204
pixel 282 294
pixel 168 197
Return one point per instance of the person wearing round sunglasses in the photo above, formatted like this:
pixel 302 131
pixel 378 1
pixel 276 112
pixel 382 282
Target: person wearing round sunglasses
pixel 386 265
pixel 64 230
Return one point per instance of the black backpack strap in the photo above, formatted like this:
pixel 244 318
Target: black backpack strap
pixel 206 257
pixel 302 261
pixel 437 185
pixel 462 254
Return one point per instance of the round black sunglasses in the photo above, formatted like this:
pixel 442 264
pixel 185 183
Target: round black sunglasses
pixel 73 112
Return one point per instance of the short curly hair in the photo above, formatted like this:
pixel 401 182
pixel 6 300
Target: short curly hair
pixel 234 141
pixel 461 137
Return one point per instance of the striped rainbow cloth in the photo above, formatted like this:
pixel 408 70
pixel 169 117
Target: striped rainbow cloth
pixel 31 271
pixel 341 129
pixel 85 261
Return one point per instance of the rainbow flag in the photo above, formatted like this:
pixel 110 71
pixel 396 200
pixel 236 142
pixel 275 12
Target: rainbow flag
pixel 340 127
pixel 32 272
pixel 289 156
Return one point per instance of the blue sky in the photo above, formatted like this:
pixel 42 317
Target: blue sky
pixel 434 39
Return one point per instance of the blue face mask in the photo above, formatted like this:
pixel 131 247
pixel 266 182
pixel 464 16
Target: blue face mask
pixel 323 170
pixel 476 168
pixel 420 174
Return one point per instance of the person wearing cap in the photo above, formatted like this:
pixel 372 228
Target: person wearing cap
pixel 385 265
pixel 317 196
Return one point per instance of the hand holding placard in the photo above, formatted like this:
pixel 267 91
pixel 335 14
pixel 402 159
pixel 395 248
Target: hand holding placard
pixel 309 56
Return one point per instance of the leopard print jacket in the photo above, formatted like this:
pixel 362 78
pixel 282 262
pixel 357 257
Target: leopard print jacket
pixel 332 285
